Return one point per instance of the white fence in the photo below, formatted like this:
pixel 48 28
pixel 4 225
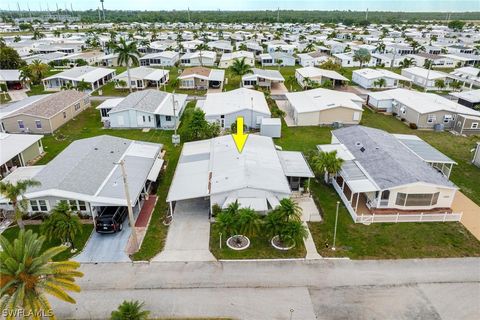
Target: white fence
pixel 395 218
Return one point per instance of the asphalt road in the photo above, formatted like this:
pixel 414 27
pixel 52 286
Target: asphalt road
pixel 319 289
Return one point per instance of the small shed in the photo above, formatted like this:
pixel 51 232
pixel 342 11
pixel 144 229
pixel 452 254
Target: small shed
pixel 271 127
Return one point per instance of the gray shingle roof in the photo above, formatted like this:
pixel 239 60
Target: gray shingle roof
pixel 146 100
pixel 388 162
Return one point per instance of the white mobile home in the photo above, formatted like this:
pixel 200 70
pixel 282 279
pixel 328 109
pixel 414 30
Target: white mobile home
pixel 371 78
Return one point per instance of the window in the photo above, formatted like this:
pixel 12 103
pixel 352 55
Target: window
pixel 168 118
pixel 417 199
pixel 86 100
pixel 149 119
pixel 474 125
pixel 82 205
pixel 143 117
pixel 105 112
pixel 38 124
pixel 431 118
pixel 21 125
pixel 76 106
pixel 39 205
pixel 447 118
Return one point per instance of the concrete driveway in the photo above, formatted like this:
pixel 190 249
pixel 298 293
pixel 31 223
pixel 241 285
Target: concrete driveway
pixel 471 213
pixel 106 247
pixel 188 236
pixel 17 95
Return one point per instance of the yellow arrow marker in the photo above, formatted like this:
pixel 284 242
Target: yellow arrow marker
pixel 240 138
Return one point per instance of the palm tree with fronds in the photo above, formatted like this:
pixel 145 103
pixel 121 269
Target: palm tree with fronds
pixel 362 55
pixel 290 80
pixel 27 275
pixel 248 222
pixel 25 75
pixel 83 86
pixel 289 210
pixel 239 67
pixel 243 47
pixel 15 195
pixel 309 47
pixel 200 48
pixel 130 310
pixel 57 33
pixel 326 163
pixel 272 223
pixel 406 63
pixel 62 224
pixel 292 232
pixel 440 84
pixel 380 47
pixel 380 83
pixel 127 54
pixel 38 35
pixel 68 86
pixel 38 70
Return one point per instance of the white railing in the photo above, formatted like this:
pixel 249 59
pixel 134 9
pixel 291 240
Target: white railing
pixel 395 218
pixel 405 217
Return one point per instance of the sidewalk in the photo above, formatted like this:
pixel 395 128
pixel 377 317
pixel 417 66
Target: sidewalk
pixel 471 213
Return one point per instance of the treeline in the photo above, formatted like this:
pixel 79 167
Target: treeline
pixel 271 16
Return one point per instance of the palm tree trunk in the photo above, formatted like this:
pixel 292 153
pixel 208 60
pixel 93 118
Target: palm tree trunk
pixel 129 79
pixel 18 216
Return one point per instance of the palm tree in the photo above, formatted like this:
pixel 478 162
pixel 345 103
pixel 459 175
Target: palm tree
pixel 362 55
pixel 130 310
pixel 406 63
pixel 239 67
pixel 37 35
pixel 248 222
pixel 201 47
pixel 27 274
pixel 380 47
pixel 309 83
pixel 83 86
pixel 67 86
pixel 226 223
pixel 272 223
pixel 456 85
pixel 309 47
pixel 243 47
pixel 17 39
pixel 440 84
pixel 292 232
pixel 326 163
pixel 62 223
pixel 290 80
pixel 428 64
pixel 57 33
pixel 25 75
pixel 38 70
pixel 15 195
pixel 127 54
pixel 380 83
pixel 289 210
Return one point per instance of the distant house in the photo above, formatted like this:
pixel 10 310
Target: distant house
pixel 323 107
pixel 225 107
pixel 277 59
pixel 95 77
pixel 313 59
pixel 11 79
pixel 346 60
pixel 367 78
pixel 319 76
pixel 469 99
pixel 388 60
pixel 214 172
pixel 469 76
pixel 43 114
pixel 227 59
pixel 141 78
pixel 164 58
pixel 198 58
pixel 222 46
pixel 87 174
pixel 426 78
pixel 144 109
pixel 425 110
pixel 280 46
pixel 391 178
pixel 201 78
pixel 438 61
pixel 18 150
pixel 262 78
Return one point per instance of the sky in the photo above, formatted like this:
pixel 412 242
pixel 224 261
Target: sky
pixel 354 5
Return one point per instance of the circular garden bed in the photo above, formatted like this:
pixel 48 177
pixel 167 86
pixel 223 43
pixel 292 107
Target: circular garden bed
pixel 238 242
pixel 279 245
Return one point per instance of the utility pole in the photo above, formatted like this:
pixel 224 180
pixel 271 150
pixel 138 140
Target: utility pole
pixel 103 10
pixel 175 137
pixel 366 15
pixel 188 12
pixel 335 230
pixel 129 205
pixel 278 14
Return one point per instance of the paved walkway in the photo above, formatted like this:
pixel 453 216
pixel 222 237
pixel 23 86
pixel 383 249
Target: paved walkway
pixel 282 105
pixel 325 289
pixel 471 213
pixel 188 236
pixel 17 95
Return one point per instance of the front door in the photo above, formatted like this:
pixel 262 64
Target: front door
pixel 295 183
pixel 158 123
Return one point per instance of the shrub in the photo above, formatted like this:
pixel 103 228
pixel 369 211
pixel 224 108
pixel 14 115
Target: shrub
pixel 413 126
pixel 216 209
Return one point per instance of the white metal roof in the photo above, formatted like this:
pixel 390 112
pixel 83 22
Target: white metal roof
pixel 312 72
pixel 272 75
pixel 9 75
pixel 322 99
pixel 235 101
pixel 257 204
pixel 23 173
pixel 84 73
pixel 424 73
pixel 422 149
pixel 424 102
pixel 109 103
pixel 294 164
pixel 379 73
pixel 13 144
pixel 470 96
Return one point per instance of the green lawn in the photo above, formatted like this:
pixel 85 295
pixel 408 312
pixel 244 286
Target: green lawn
pixel 36 89
pixel 79 242
pixel 403 240
pixel 260 248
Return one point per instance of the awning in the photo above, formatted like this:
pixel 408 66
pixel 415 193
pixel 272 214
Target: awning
pixel 273 202
pixel 157 166
pixel 363 185
pixel 257 204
